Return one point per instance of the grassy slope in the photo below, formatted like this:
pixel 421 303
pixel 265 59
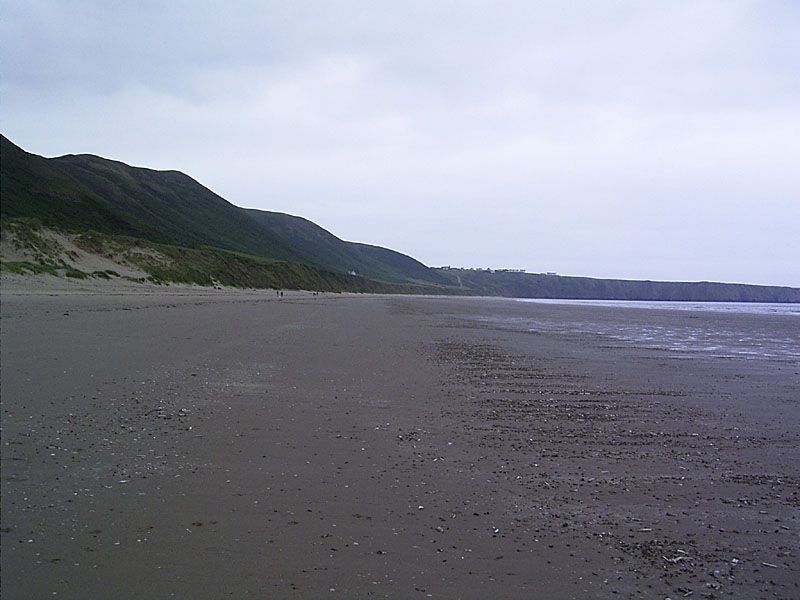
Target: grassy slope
pixel 410 267
pixel 89 193
pixel 319 246
pixel 179 208
pixel 164 263
pixel 533 285
pixel 32 187
pixel 206 265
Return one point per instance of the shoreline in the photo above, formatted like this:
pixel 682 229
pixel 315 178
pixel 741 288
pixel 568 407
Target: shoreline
pixel 210 443
pixel 30 284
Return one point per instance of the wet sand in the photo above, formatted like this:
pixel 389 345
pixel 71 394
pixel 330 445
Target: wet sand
pixel 213 444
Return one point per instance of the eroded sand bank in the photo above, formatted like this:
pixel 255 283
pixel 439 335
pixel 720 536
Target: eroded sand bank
pixel 215 444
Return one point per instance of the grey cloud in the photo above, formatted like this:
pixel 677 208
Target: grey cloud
pixel 611 139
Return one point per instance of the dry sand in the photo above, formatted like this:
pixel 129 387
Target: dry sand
pixel 192 443
pixel 61 247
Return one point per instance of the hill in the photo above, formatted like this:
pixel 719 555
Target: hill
pixel 29 248
pixel 82 193
pixel 538 285
pixel 89 193
pixel 36 188
pixel 106 207
pixel 318 246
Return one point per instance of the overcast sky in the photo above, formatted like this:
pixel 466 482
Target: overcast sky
pixel 648 140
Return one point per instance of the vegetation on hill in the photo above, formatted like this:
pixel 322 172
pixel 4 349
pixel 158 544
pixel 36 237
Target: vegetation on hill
pixel 410 267
pixel 89 193
pixel 33 187
pixel 539 285
pixel 171 228
pixel 176 206
pixel 318 246
pixel 166 263
pixel 209 266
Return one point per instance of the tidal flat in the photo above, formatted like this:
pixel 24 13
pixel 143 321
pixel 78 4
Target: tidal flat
pixel 195 443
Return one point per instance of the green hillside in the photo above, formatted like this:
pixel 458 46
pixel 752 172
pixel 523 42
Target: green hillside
pixel 204 237
pixel 33 187
pixel 410 267
pixel 209 265
pixel 175 205
pixel 89 193
pixel 535 285
pixel 44 250
pixel 318 246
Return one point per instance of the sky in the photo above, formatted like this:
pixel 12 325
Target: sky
pixel 643 140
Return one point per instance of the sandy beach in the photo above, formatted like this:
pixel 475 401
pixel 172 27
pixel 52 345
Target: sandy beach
pixel 196 443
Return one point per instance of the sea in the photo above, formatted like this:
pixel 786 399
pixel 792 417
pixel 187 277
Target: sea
pixel 726 329
pixel 760 308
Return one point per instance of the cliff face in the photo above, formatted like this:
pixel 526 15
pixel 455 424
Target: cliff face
pixel 534 285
